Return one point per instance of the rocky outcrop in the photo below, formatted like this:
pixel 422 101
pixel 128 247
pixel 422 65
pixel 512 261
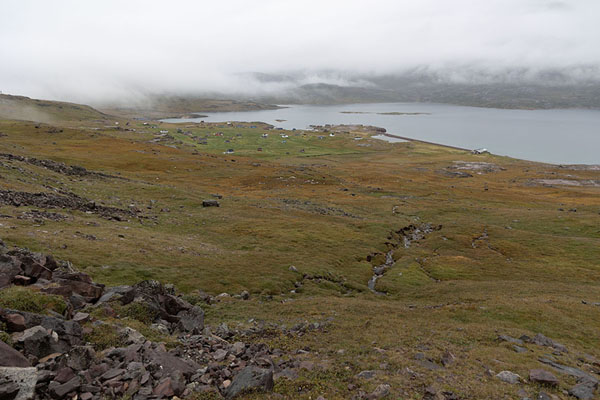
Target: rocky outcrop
pixel 63 200
pixel 50 358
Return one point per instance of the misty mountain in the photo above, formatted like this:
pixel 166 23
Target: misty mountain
pixel 516 89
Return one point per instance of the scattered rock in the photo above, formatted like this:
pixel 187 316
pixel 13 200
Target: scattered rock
pixel 584 390
pixel 366 375
pixel 380 392
pixel 543 377
pixel 250 378
pixel 508 377
pixel 448 359
pixel 10 357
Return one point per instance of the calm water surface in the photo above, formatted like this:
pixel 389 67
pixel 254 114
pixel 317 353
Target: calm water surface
pixel 553 136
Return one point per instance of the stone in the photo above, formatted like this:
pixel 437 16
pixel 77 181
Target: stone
pixel 120 293
pixel 10 357
pixel 131 336
pixel 81 357
pixel 250 378
pixel 64 375
pixel 164 388
pixel 210 203
pixel 59 390
pixel 220 355
pixel 245 295
pixel 543 377
pixel 584 390
pixel 238 348
pixel 37 341
pixel 448 359
pixel 18 382
pixel 81 317
pixel 9 268
pixel 288 373
pixel 380 392
pixel 366 375
pixel 519 349
pixel 191 321
pixel 508 377
pixel 14 322
pixel 168 363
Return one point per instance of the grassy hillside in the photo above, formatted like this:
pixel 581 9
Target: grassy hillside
pixel 24 108
pixel 513 254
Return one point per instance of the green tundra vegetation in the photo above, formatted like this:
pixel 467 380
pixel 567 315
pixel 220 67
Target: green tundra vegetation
pixel 515 248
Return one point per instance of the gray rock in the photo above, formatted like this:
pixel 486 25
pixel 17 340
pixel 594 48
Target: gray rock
pixel 38 342
pixel 506 338
pixel 565 369
pixel 519 349
pixel 366 374
pixel 131 336
pixel 584 390
pixel 250 378
pixel 192 320
pixel 59 390
pixel 543 377
pixel 10 357
pixel 81 357
pixel 508 377
pixel 24 379
pixel 380 392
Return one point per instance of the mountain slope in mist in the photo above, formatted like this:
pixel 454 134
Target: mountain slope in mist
pixel 26 109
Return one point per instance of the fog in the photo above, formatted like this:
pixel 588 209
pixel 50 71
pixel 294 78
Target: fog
pixel 104 50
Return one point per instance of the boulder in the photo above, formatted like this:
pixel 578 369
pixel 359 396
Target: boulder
pixel 191 321
pixel 508 377
pixel 584 390
pixel 38 341
pixel 81 357
pixel 543 377
pixel 61 390
pixel 10 357
pixel 168 363
pixel 17 383
pixel 250 378
pixel 14 322
pixel 76 283
pixel 9 268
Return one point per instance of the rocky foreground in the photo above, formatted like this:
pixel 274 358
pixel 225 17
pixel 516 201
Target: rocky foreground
pixel 53 357
pixel 78 355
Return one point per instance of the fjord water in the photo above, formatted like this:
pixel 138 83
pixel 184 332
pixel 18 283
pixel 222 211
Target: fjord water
pixel 552 136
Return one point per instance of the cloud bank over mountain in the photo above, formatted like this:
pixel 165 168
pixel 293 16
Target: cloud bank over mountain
pixel 86 51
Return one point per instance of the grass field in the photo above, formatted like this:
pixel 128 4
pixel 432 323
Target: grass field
pixel 512 256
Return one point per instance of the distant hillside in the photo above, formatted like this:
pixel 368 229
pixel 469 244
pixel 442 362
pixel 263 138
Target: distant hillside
pixel 156 107
pixel 543 91
pixel 47 111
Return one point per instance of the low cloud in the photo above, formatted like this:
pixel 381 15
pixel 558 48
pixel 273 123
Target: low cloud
pixel 97 50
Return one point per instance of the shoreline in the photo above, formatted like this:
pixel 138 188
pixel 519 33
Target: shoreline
pixel 424 141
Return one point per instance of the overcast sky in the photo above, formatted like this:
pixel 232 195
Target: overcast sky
pixel 82 50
